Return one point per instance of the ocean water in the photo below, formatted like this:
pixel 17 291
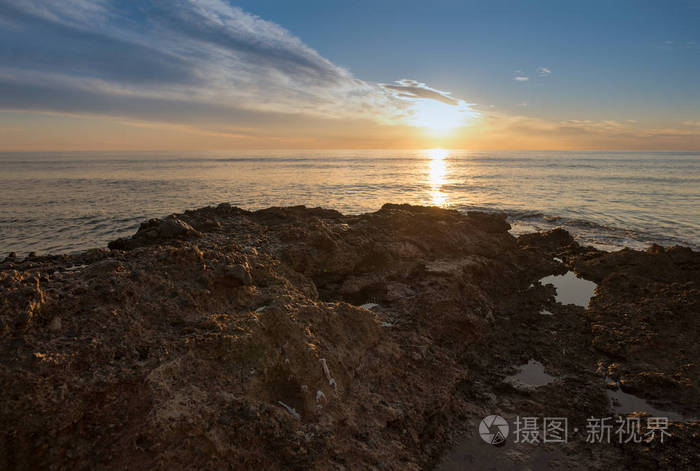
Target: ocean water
pixel 61 202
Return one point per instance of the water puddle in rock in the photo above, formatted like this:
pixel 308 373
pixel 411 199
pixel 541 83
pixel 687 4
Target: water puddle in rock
pixel 369 306
pixel 387 320
pixel 530 375
pixel 624 403
pixel 571 289
pixel 474 453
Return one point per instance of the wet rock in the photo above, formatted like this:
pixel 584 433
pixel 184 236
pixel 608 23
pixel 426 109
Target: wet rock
pixel 644 318
pixel 489 222
pixel 551 241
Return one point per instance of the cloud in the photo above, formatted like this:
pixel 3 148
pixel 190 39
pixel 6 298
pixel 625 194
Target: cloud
pixel 195 62
pixel 430 109
pixel 519 76
pixel 412 89
pixel 675 45
pixel 544 72
pixel 691 123
pixel 604 126
pixel 77 13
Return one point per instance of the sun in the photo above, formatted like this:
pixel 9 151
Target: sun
pixel 438 118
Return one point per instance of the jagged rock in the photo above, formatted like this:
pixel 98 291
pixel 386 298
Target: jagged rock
pixel 489 222
pixel 550 241
pixel 240 273
pixel 167 228
pixel 157 231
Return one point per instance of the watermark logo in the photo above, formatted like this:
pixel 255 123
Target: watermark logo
pixel 494 430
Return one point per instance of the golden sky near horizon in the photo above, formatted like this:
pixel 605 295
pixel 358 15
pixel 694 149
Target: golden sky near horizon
pixel 37 131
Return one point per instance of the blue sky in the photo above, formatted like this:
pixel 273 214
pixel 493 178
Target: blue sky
pixel 602 54
pixel 545 74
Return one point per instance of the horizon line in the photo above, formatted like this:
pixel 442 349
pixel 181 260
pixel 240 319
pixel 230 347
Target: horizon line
pixel 346 149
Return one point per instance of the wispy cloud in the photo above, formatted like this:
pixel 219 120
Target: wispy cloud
pixel 521 78
pixel 430 108
pixel 407 88
pixel 197 62
pixel 544 72
pixel 517 132
pixel 678 45
pixel 604 126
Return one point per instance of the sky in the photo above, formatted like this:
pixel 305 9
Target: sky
pixel 219 74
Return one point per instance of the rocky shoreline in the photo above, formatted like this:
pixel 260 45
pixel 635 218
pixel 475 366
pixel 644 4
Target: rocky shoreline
pixel 299 338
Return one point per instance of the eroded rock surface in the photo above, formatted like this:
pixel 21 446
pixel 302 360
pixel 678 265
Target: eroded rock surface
pixel 227 339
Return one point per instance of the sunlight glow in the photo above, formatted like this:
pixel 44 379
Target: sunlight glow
pixel 438 118
pixel 436 176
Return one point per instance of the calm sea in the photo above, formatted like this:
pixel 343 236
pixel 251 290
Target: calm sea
pixel 65 202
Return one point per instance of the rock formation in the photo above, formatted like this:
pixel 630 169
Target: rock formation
pixel 227 339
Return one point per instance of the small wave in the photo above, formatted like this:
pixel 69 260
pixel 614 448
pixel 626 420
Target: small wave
pixel 601 235
pixel 587 232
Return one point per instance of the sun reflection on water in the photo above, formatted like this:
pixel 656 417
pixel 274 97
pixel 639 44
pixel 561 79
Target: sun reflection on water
pixel 436 176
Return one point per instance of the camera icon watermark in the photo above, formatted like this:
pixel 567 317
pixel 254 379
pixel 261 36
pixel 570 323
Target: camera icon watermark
pixel 494 430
